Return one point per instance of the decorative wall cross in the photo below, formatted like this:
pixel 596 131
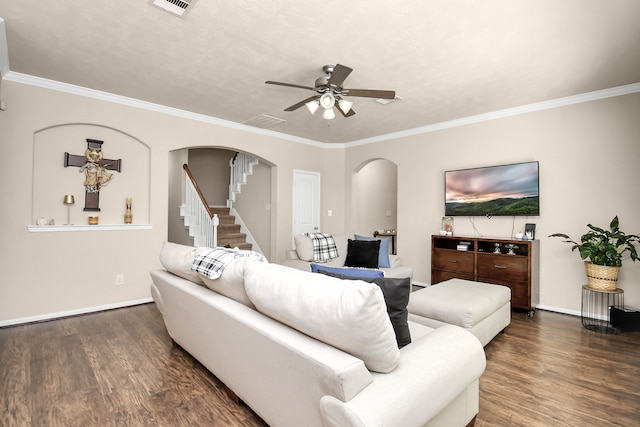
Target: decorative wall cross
pixel 95 171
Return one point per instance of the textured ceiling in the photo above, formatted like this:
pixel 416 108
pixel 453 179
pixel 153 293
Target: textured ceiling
pixel 446 59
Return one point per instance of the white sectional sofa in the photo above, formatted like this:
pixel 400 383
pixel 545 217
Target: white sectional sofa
pixel 305 349
pixel 301 257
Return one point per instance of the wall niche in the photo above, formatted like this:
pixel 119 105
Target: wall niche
pixel 52 180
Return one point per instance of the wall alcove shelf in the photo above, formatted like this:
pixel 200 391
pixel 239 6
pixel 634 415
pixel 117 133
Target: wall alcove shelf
pixel 480 263
pixel 72 227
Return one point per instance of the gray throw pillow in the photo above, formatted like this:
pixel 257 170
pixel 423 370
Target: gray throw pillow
pixel 396 295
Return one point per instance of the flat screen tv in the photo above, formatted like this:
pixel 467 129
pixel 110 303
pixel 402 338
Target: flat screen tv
pixel 506 190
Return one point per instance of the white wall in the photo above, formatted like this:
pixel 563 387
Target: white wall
pixel 588 156
pixel 376 196
pixel 210 168
pixel 589 172
pixel 45 274
pixel 253 205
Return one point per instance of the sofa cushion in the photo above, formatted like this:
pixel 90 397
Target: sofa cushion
pixel 304 247
pixel 383 254
pixel 362 253
pixel 348 314
pixel 231 281
pixel 177 259
pixel 396 296
pixel 352 272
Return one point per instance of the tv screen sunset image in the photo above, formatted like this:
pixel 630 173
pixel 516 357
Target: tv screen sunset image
pixel 508 190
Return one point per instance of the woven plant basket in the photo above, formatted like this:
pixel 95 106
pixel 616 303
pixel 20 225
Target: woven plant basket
pixel 601 277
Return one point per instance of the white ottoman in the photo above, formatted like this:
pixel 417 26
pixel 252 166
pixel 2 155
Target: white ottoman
pixel 481 308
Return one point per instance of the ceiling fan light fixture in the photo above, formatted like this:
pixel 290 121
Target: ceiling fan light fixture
pixel 327 101
pixel 328 114
pixel 312 106
pixel 345 105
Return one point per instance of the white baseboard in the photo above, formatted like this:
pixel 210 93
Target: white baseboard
pixel 558 310
pixel 86 310
pixel 421 284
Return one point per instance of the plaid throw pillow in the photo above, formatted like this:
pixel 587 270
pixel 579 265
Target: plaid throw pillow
pixel 212 262
pixel 324 247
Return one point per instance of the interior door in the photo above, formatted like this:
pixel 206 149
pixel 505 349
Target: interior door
pixel 306 202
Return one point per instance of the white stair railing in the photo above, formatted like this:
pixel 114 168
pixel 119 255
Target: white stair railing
pixel 241 167
pixel 198 217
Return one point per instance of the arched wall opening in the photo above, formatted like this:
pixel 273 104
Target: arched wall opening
pixel 375 201
pixel 210 167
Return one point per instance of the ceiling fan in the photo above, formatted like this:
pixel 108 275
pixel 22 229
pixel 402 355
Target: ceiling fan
pixel 329 92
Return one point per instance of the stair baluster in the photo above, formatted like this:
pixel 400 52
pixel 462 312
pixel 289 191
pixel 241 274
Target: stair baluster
pixel 198 216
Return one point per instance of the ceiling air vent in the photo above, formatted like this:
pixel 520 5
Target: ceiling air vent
pixel 174 7
pixel 264 121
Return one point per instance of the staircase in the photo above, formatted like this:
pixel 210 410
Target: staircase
pixel 213 226
pixel 228 231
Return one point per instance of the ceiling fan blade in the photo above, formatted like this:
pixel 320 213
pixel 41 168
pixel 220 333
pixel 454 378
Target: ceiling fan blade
pixel 269 82
pixel 301 103
pixel 339 74
pixel 349 113
pixel 370 93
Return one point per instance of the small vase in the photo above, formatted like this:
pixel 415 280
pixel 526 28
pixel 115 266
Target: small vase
pixel 128 217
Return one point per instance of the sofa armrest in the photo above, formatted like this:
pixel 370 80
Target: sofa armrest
pixel 395 261
pixel 433 371
pixel 291 254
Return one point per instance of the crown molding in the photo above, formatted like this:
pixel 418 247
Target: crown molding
pixel 524 109
pixel 144 105
pixel 136 103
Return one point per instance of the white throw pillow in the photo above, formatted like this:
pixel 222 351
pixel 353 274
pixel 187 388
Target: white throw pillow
pixel 304 247
pixel 177 259
pixel 348 314
pixel 231 282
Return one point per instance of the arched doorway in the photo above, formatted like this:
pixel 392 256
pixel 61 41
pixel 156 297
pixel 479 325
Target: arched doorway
pixel 210 167
pixel 375 190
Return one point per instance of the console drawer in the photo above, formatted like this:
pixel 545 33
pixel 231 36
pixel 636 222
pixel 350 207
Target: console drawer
pixel 503 267
pixel 452 260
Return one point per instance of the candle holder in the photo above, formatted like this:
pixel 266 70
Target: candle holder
pixel 68 200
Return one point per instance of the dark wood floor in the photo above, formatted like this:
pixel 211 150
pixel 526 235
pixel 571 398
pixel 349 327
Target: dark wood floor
pixel 119 368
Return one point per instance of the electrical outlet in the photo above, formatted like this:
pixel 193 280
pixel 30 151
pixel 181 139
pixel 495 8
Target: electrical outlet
pixel 119 279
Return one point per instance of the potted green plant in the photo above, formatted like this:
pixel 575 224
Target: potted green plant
pixel 603 252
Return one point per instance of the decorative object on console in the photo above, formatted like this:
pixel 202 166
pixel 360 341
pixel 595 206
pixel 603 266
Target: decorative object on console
pixel 128 217
pixel 530 231
pixel 493 191
pixel 447 226
pixel 93 220
pixel 68 200
pixel 605 251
